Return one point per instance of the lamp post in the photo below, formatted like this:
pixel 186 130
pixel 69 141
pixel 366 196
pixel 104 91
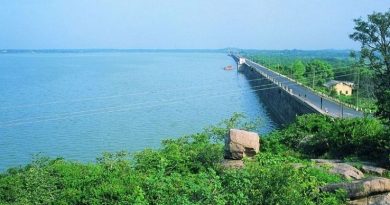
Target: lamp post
pixel 357 88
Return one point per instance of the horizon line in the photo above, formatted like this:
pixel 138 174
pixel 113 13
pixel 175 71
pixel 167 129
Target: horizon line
pixel 173 49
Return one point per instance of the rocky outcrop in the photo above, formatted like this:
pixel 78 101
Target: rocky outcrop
pixel 336 167
pixel 361 191
pixel 370 169
pixel 240 143
pixel 380 199
pixel 318 161
pixel 371 191
pixel 350 170
pixel 361 188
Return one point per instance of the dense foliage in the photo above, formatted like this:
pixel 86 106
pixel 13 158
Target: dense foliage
pixel 319 72
pixel 298 70
pixel 323 136
pixel 374 36
pixel 186 170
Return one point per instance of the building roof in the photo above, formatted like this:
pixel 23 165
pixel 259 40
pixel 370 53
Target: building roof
pixel 332 83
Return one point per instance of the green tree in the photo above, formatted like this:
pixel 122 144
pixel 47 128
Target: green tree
pixel 298 69
pixel 374 36
pixel 333 93
pixel 318 72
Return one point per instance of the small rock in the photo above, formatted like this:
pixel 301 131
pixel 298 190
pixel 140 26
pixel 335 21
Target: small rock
pixel 240 143
pixel 232 164
pixel 361 188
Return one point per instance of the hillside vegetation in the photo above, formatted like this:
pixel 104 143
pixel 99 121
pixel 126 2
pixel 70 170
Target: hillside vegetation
pixel 187 170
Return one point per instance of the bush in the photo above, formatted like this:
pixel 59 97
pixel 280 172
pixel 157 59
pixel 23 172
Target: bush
pixel 270 179
pixel 323 136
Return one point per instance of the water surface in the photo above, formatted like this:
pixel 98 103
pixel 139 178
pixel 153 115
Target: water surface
pixel 78 105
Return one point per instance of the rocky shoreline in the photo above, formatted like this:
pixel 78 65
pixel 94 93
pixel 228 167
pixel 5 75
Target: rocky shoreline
pixel 365 184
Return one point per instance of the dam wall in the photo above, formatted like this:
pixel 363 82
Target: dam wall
pixel 282 106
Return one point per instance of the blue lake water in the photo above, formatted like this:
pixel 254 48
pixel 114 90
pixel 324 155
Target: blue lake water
pixel 78 105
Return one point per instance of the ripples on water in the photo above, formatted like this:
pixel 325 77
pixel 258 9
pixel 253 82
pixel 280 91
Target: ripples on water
pixel 78 105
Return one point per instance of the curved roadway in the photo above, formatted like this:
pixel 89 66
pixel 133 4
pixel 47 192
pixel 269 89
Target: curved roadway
pixel 312 98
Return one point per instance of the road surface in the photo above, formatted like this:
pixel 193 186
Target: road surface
pixel 310 97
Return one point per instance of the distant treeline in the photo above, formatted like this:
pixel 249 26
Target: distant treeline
pixel 4 51
pixel 302 54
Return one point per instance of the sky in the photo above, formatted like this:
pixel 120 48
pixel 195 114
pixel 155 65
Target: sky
pixel 182 24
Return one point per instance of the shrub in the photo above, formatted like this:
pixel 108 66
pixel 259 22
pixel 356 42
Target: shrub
pixel 319 136
pixel 270 179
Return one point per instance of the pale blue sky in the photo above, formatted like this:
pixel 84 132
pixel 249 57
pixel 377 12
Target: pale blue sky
pixel 260 24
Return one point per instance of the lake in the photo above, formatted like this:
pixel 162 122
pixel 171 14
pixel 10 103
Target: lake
pixel 79 104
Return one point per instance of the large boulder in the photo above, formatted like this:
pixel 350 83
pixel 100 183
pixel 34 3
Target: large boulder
pixel 361 188
pixel 374 170
pixel 380 199
pixel 240 143
pixel 345 170
pixel 319 161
